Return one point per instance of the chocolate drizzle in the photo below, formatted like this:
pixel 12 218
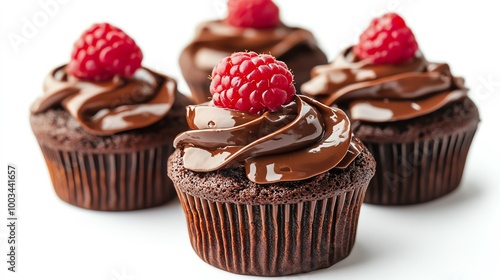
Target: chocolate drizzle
pixel 304 139
pixel 381 93
pixel 105 108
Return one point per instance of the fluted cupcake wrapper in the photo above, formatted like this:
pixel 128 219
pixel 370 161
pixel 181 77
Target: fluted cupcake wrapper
pixel 420 171
pixel 110 181
pixel 273 240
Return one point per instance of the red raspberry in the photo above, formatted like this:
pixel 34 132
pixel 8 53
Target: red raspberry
pixel 386 41
pixel 102 52
pixel 253 13
pixel 251 82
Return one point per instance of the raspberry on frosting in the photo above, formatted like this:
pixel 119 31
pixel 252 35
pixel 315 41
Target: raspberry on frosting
pixel 251 82
pixel 253 13
pixel 386 41
pixel 103 51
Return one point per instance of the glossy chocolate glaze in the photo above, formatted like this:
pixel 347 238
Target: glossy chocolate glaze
pixel 382 93
pixel 216 39
pixel 302 140
pixel 105 108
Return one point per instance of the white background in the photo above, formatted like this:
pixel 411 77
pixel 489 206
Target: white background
pixel 453 238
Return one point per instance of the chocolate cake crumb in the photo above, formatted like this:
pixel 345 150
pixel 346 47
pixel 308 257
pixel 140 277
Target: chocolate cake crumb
pixel 232 185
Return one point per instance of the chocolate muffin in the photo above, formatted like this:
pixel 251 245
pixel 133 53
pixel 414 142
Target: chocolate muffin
pixel 413 115
pixel 271 230
pixel 272 193
pixel 106 137
pixel 250 26
pixel 428 158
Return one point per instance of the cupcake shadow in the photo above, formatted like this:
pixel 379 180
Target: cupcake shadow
pixel 153 213
pixel 360 254
pixel 466 192
pixel 365 253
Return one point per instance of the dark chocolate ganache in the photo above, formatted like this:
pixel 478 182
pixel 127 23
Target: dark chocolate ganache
pixel 105 108
pixel 217 39
pixel 384 92
pixel 305 138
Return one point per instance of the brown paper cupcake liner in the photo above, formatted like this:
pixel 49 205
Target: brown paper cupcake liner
pixel 273 240
pixel 420 171
pixel 111 181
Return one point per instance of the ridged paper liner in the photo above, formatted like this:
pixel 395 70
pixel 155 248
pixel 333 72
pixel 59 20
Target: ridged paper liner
pixel 418 171
pixel 273 240
pixel 111 181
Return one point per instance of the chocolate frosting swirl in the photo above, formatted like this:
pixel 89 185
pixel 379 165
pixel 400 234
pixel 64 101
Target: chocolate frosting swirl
pixel 215 40
pixel 382 93
pixel 304 139
pixel 105 108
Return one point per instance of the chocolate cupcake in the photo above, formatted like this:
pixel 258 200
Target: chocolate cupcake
pixel 250 26
pixel 413 115
pixel 270 193
pixel 106 126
